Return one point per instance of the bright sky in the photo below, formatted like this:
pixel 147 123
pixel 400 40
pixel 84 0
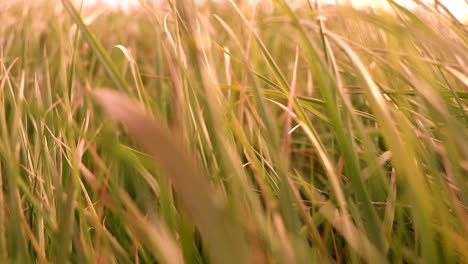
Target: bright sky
pixel 458 7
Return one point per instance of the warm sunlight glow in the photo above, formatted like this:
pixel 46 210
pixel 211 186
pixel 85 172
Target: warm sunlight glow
pixel 459 8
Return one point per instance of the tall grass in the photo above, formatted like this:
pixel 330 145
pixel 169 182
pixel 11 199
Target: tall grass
pixel 232 133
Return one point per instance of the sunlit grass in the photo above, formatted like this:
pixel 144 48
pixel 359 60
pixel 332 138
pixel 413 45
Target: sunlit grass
pixel 232 133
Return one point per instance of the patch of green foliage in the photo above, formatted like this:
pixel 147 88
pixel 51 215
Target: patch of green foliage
pixel 232 133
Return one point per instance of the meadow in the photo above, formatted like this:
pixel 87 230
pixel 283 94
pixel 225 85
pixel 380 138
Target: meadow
pixel 232 133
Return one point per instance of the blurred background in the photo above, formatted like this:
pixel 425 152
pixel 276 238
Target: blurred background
pixel 459 8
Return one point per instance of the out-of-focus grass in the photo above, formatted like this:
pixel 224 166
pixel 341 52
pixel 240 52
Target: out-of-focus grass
pixel 244 134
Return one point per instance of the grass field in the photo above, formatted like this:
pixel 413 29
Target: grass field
pixel 232 133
